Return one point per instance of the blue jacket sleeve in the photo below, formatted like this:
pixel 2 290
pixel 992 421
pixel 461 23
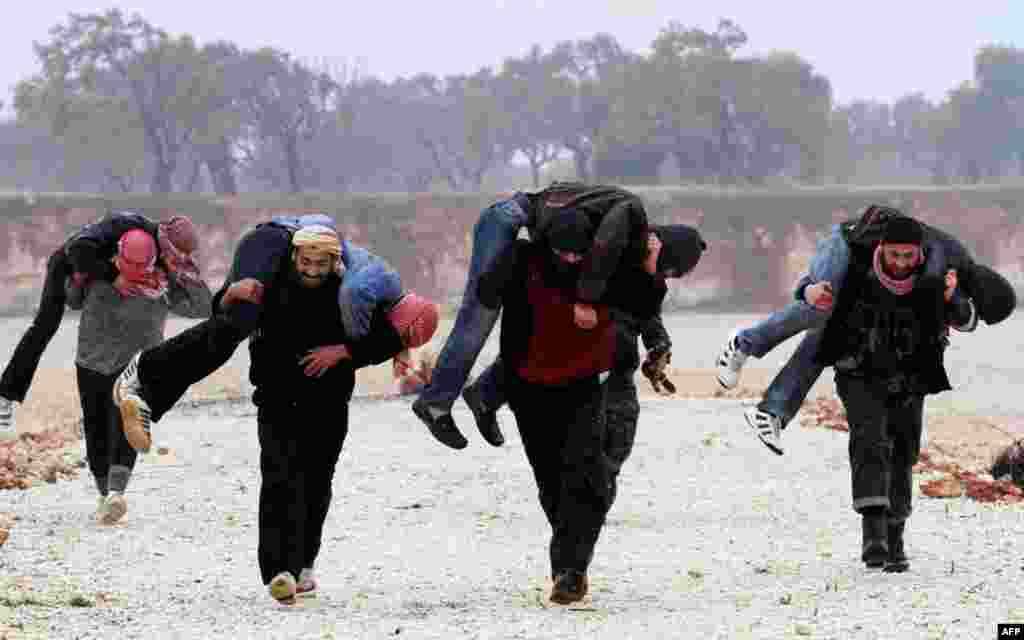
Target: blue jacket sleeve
pixel 368 283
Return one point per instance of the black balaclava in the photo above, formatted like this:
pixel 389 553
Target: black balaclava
pixel 902 230
pixel 681 248
pixel 569 230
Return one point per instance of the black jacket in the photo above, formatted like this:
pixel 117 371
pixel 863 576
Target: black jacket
pixel 617 215
pixel 860 308
pixel 297 320
pixel 91 249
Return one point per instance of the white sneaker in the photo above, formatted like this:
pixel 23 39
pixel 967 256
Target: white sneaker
pixel 7 430
pixel 113 509
pixel 730 362
pixel 135 412
pixel 767 427
pixel 307 583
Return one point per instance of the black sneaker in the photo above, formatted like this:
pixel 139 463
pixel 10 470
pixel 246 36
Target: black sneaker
pixel 486 421
pixel 570 586
pixel 442 427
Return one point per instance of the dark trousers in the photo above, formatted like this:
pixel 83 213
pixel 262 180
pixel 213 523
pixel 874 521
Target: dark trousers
pixel 167 370
pixel 622 405
pixel 885 442
pixel 562 429
pixel 622 411
pixel 111 458
pixel 299 449
pixel 17 377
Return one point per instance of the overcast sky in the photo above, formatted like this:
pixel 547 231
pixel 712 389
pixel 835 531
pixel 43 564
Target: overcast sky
pixel 867 48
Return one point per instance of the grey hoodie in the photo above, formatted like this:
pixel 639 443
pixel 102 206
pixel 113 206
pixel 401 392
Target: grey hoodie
pixel 114 327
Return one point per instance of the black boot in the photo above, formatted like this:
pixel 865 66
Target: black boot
pixel 875 547
pixel 897 560
pixel 441 427
pixel 570 586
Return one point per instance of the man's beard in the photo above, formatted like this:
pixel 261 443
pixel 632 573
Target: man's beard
pixel 889 271
pixel 310 282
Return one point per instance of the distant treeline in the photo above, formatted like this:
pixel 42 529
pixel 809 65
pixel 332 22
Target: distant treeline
pixel 714 209
pixel 119 105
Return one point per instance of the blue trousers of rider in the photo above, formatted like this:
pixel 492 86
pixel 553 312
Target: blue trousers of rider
pixel 493 233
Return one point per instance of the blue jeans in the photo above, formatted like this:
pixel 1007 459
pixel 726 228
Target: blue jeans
pixel 493 233
pixel 792 384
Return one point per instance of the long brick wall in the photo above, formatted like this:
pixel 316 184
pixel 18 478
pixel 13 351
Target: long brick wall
pixel 759 241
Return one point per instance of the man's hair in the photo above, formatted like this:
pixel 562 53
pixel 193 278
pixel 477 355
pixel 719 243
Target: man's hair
pixel 902 230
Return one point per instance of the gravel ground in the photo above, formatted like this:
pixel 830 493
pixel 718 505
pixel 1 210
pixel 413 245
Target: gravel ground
pixel 711 537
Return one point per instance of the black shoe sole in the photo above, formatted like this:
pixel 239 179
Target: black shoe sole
pixel 773 449
pixel 897 567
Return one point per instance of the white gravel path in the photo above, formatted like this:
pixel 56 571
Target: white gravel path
pixel 712 537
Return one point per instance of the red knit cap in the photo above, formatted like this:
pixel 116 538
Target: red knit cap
pixel 415 318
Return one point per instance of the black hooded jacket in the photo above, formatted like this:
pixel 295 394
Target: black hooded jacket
pixel 90 249
pixel 898 340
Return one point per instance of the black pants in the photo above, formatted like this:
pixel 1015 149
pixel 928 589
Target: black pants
pixel 885 442
pixel 111 458
pixel 299 449
pixel 562 429
pixel 622 411
pixel 17 377
pixel 167 370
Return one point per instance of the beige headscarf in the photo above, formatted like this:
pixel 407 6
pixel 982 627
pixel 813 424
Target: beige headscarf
pixel 319 238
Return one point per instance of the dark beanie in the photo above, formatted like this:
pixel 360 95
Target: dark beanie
pixel 569 230
pixel 681 248
pixel 993 294
pixel 902 230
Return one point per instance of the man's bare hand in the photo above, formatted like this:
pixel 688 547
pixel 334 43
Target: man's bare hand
pixel 246 290
pixel 318 361
pixel 951 282
pixel 819 295
pixel 122 285
pixel 401 364
pixel 584 315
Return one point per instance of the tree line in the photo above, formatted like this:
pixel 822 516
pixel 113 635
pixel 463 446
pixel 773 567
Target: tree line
pixel 118 104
